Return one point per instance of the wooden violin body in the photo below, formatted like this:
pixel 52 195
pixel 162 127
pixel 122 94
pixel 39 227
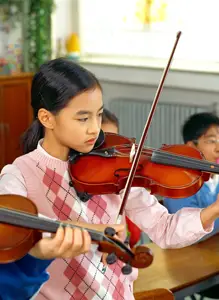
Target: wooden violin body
pixel 175 171
pixel 15 242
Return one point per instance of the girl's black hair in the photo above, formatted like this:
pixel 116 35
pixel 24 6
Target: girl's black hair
pixel 53 86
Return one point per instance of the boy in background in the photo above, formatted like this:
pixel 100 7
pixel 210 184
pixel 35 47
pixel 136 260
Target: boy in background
pixel 201 131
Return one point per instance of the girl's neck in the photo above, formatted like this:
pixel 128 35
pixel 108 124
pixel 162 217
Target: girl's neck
pixel 53 148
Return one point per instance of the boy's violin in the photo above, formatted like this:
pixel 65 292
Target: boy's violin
pixel 21 228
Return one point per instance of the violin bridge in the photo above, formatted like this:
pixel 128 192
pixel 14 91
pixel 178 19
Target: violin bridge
pixel 132 153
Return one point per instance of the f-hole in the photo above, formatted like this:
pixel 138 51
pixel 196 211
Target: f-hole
pixel 126 171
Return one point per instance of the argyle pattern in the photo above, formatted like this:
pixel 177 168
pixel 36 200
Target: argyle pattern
pixel 84 276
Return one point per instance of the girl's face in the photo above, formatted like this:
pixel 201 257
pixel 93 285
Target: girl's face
pixel 77 126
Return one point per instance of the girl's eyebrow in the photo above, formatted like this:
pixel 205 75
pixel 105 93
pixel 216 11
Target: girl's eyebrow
pixel 86 112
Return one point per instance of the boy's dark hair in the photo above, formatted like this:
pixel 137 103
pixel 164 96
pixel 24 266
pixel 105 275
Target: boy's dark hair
pixel 109 117
pixel 197 125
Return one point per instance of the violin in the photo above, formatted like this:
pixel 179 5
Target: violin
pixel 175 171
pixel 21 228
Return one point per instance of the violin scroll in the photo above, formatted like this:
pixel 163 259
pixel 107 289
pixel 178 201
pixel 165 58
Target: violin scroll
pixel 143 257
pixel 137 257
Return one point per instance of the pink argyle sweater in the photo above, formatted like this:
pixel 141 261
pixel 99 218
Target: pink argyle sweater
pixel 83 277
pixel 44 179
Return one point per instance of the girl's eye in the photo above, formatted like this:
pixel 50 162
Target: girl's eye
pixel 100 114
pixel 83 120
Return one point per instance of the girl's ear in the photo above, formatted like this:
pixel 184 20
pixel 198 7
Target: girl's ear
pixel 46 118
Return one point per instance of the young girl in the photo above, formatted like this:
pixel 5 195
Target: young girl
pixel 67 105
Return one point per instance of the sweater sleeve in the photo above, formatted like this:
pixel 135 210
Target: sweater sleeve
pixel 167 230
pixel 22 279
pixel 12 181
pixel 199 200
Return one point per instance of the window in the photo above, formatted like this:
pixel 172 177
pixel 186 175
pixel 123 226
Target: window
pixel 126 28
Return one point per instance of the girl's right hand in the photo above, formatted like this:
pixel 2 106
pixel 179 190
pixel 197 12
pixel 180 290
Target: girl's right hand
pixel 67 243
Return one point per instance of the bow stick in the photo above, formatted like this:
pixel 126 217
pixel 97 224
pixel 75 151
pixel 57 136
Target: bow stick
pixel 144 134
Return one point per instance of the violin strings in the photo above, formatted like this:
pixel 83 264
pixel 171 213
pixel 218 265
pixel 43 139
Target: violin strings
pixel 167 161
pixel 18 218
pixel 183 157
pixel 34 222
pixel 183 160
pixel 178 158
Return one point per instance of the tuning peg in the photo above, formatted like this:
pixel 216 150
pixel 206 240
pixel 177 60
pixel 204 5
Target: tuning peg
pixel 127 269
pixel 110 231
pixel 111 258
pixel 71 184
pixel 127 240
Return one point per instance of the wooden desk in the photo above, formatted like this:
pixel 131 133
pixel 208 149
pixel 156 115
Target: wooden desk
pixel 183 271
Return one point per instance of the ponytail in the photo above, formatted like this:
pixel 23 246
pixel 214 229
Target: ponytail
pixel 32 136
